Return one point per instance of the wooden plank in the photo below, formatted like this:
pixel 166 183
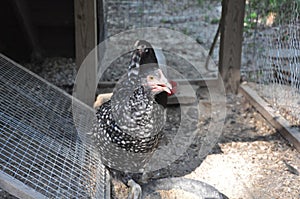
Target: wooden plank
pixel 17 188
pixel 198 82
pixel 86 41
pixel 282 125
pixel 185 94
pixel 85 28
pixel 231 43
pixel 183 97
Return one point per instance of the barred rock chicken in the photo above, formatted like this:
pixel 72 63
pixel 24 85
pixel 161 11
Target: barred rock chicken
pixel 128 126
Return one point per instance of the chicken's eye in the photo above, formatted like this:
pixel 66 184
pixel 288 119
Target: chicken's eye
pixel 151 77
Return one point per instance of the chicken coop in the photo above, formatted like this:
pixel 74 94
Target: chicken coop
pixel 235 65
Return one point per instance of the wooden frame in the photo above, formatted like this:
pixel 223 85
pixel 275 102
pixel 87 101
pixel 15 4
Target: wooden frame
pixel 231 35
pixel 17 188
pixel 275 119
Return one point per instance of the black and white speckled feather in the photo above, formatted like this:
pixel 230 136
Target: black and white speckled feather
pixel 133 119
pixel 109 132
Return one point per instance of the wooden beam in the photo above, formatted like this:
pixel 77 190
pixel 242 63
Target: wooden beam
pixel 198 82
pixel 231 43
pixel 86 41
pixel 85 28
pixel 183 94
pixel 18 188
pixel 275 119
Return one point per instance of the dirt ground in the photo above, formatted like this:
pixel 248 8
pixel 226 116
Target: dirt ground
pixel 251 159
pixel 254 160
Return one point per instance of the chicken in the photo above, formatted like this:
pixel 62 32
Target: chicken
pixel 128 126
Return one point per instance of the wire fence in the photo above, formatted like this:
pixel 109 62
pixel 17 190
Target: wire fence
pixel 41 154
pixel 195 19
pixel 271 55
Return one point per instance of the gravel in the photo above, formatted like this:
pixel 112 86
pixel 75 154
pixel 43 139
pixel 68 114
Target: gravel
pixel 251 162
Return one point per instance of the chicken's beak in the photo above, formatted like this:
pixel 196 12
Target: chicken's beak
pixel 163 83
pixel 166 87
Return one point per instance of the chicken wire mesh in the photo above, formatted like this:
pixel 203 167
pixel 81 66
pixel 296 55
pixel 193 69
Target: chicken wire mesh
pixel 271 54
pixel 123 15
pixel 41 155
pixel 195 19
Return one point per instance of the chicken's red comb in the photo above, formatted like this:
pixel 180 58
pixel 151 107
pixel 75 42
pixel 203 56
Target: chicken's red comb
pixel 174 87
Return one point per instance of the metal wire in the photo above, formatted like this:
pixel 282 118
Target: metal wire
pixel 274 66
pixel 39 145
pixel 130 12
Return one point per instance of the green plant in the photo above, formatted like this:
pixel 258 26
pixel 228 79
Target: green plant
pixel 283 10
pixel 215 21
pixel 206 18
pixel 185 31
pixel 163 20
pixel 200 2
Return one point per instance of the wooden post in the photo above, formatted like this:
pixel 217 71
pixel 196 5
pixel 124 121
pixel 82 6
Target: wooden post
pixel 231 43
pixel 101 21
pixel 85 28
pixel 86 41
